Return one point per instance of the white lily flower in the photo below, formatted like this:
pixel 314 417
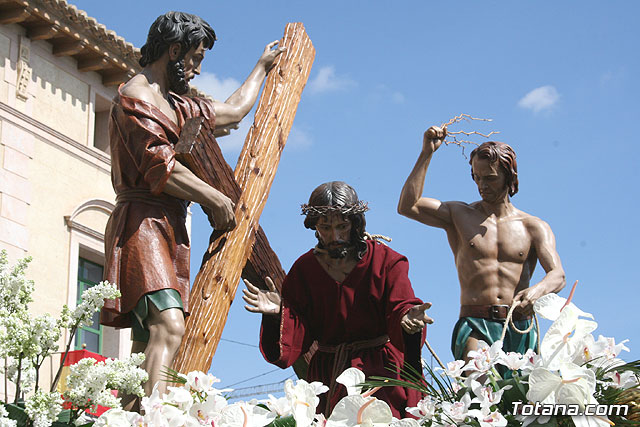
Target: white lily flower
pixel 281 406
pixel 199 381
pixel 512 360
pixel 484 358
pixel 425 409
pixel 179 397
pixel 486 396
pixel 531 361
pixel 457 411
pixel 487 418
pixel 623 380
pixel 454 369
pixel 208 411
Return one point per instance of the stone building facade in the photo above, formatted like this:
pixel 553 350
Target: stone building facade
pixel 59 70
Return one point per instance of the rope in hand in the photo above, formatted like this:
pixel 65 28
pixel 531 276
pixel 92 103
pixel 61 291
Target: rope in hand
pixel 509 321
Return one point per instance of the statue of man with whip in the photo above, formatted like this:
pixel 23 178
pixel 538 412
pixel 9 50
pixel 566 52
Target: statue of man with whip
pixel 495 245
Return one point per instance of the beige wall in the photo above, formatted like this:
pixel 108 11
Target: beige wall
pixel 55 188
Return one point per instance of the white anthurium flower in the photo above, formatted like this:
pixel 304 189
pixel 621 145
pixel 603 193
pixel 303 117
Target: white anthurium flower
pixel 565 339
pixel 551 305
pixel 528 419
pixel 279 405
pixel 484 358
pixel 351 378
pixel 359 410
pixel 425 409
pixel 573 385
pixel 243 414
pixel 591 420
pixel 457 411
pixel 319 388
pixel 486 396
pixel 302 400
pixel 405 422
pixel 488 418
pixel 118 418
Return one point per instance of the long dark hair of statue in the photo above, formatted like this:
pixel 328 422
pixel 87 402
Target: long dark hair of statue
pixel 342 196
pixel 176 27
pixel 506 157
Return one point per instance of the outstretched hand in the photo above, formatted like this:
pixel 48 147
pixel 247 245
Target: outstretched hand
pixel 261 301
pixel 415 319
pixel 433 138
pixel 270 54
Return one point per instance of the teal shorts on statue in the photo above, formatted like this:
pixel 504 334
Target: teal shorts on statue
pixel 163 299
pixel 490 331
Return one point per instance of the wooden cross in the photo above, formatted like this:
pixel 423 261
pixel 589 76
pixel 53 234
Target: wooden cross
pixel 245 250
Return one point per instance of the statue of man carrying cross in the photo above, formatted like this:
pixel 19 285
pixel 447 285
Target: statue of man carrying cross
pixel 147 246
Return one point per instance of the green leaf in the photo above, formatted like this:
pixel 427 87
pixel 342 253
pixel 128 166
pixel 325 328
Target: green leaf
pixel 287 421
pixel 16 412
pixel 64 417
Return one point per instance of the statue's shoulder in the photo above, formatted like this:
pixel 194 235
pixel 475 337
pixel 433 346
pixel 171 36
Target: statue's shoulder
pixel 533 223
pixel 138 88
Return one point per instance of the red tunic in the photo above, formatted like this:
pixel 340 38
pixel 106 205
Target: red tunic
pixel 369 303
pixel 146 241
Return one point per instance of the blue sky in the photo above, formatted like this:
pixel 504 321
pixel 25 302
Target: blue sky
pixel 555 77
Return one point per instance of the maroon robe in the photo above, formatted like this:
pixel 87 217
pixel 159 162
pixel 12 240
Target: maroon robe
pixel 368 304
pixel 146 240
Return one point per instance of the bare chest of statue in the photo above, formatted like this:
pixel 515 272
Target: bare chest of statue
pixel 493 255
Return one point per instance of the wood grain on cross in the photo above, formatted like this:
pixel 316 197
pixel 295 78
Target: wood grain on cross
pixel 216 283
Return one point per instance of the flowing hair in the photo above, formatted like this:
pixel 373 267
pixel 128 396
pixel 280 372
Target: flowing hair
pixel 506 157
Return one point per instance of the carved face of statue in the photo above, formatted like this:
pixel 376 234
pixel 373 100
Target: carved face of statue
pixel 181 70
pixel 490 179
pixel 192 61
pixel 334 232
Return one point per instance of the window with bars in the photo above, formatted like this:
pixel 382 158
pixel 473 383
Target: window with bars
pixel 89 274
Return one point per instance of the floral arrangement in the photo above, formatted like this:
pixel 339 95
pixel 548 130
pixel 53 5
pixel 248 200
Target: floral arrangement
pixel 26 342
pixel 493 388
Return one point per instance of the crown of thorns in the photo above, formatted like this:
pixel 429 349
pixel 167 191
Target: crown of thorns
pixel 353 209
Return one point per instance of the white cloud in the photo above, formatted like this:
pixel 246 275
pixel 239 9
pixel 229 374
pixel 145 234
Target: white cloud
pixel 233 143
pixel 299 138
pixel 539 99
pixel 219 89
pixel 327 81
